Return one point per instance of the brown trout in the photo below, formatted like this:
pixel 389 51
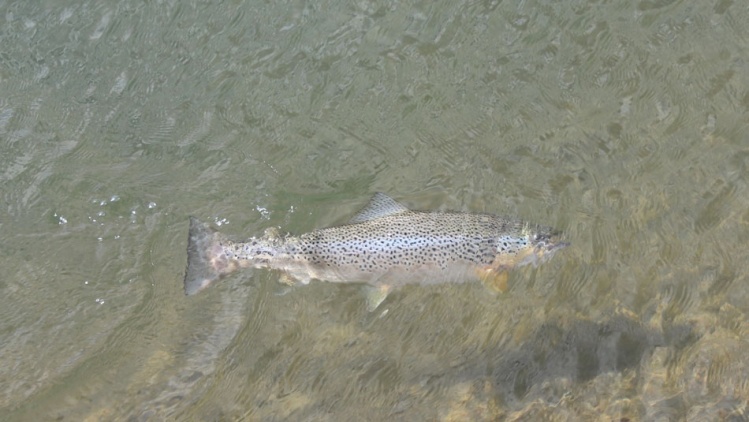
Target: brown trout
pixel 385 245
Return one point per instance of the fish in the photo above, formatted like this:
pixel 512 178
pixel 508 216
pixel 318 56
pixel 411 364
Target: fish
pixel 385 245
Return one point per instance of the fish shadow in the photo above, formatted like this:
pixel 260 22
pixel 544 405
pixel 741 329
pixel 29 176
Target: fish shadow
pixel 575 353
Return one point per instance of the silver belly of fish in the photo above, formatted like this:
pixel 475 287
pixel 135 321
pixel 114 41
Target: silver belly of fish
pixel 385 245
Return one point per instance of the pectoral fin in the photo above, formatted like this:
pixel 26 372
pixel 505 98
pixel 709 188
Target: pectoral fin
pixel 494 279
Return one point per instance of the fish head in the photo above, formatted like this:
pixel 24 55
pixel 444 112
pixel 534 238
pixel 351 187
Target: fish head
pixel 530 245
pixel 544 242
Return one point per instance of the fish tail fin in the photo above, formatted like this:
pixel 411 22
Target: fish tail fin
pixel 205 261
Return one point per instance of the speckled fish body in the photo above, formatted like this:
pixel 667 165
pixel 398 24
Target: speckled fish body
pixel 385 245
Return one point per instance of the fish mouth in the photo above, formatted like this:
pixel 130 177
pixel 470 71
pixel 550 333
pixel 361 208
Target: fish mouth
pixel 538 255
pixel 553 246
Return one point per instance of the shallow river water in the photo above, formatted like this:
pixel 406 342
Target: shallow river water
pixel 624 124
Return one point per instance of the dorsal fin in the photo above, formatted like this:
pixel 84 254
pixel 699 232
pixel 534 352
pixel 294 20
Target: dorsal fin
pixel 380 205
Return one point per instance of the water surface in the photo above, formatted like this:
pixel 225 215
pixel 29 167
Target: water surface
pixel 622 123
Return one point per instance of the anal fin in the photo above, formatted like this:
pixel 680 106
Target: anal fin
pixel 375 295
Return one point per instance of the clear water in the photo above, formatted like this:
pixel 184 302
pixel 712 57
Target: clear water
pixel 622 123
